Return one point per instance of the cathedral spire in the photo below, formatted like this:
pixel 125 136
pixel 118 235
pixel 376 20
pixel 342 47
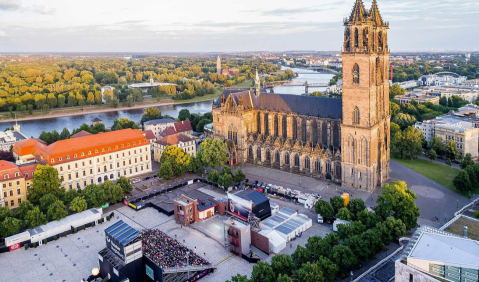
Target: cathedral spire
pixel 358 14
pixel 374 14
pixel 257 83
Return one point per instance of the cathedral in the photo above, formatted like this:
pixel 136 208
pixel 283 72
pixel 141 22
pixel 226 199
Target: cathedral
pixel 345 140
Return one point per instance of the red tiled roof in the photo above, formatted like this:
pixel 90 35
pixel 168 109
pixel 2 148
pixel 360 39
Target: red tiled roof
pixel 28 171
pixel 90 145
pixel 26 146
pixel 174 139
pixel 10 169
pixel 170 130
pixel 182 126
pixel 80 134
pixel 149 134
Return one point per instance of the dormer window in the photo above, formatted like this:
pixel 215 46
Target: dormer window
pixel 96 151
pixel 60 159
pixel 17 174
pixel 134 143
pixel 82 154
pixel 68 157
pixel 6 176
pixel 127 144
pixel 103 149
pixel 122 145
pixel 75 155
pixel 116 146
pixel 109 148
pixel 52 160
pixel 26 174
pixel 89 152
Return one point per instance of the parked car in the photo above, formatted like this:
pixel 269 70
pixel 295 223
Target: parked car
pixel 263 185
pixel 146 178
pixel 254 183
pixel 135 180
pixel 320 219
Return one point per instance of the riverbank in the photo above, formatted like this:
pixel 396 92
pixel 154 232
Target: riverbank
pixel 76 111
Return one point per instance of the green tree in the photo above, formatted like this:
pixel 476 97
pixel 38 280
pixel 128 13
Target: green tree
pixel 337 203
pixel 238 278
pixel 200 127
pixel 113 192
pixel 404 120
pixel 343 257
pixel 150 114
pixel 301 255
pixel 45 181
pixel 394 109
pixel 467 161
pixel 324 208
pixel 65 134
pixel 263 272
pixel 356 206
pixel 46 201
pixel 436 144
pixel 98 197
pixel 166 171
pixel 123 123
pixel 10 226
pixel 398 201
pixel 57 211
pixel 344 214
pixel 309 272
pixel 407 143
pixel 395 90
pixel 348 230
pixel 70 195
pixel 35 218
pixel 449 162
pixel 22 210
pixel 125 184
pixel 178 159
pixel 282 264
pixel 462 182
pixel 328 268
pixel 5 212
pixel 359 247
pixel 431 155
pixel 225 180
pixel 368 218
pixel 78 204
pixel 239 176
pixel 213 153
pixel 184 114
pixel 284 278
pixel 315 246
pixel 213 175
pixel 451 150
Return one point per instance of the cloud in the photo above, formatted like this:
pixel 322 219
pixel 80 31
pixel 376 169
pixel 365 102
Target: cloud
pixel 44 10
pixel 286 12
pixel 130 22
pixel 10 5
pixel 2 33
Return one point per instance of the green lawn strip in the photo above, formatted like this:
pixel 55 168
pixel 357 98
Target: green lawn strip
pixel 437 172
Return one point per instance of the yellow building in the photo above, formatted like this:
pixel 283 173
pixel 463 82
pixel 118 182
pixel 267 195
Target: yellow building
pixel 181 141
pixel 90 159
pixel 14 183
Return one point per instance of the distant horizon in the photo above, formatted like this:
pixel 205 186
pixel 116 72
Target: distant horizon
pixel 56 26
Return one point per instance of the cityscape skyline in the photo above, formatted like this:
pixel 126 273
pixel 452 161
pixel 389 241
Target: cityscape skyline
pixel 62 26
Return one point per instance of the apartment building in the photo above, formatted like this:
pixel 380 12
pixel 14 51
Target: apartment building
pixel 159 126
pixel 90 159
pixel 180 140
pixel 14 183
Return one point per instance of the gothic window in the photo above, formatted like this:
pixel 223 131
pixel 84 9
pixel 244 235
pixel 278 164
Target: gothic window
pixel 324 134
pixel 350 156
pixel 233 134
pixel 336 136
pixel 285 127
pixel 356 115
pixel 276 126
pixel 277 156
pixel 380 41
pixel 338 169
pixel 317 165
pixel 364 157
pixel 286 158
pixel 347 44
pixel 258 122
pixel 365 39
pixel 303 130
pixel 250 151
pixel 314 126
pixel 356 37
pixel 268 156
pixel 258 153
pixel 295 129
pixel 328 167
pixel 379 70
pixel 296 160
pixel 356 74
pixel 266 124
pixel 307 162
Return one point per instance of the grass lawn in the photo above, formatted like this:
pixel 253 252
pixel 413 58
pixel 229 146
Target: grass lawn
pixel 437 172
pixel 246 83
pixel 458 228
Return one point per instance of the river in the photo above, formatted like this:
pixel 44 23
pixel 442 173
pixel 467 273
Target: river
pixel 33 128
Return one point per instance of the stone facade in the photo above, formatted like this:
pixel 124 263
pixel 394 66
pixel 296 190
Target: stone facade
pixel 405 273
pixel 304 134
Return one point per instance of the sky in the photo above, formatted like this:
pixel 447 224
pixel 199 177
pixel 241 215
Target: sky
pixel 227 26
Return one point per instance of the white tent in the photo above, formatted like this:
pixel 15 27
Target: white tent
pixel 276 242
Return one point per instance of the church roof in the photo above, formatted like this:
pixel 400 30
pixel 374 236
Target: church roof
pixel 358 14
pixel 289 103
pixel 374 14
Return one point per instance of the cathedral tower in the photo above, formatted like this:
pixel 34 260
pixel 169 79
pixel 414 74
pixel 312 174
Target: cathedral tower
pixel 218 65
pixel 257 83
pixel 366 118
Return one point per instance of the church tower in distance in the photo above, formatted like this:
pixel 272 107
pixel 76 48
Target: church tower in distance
pixel 366 118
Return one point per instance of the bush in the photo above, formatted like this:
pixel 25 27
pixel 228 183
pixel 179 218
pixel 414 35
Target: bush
pixel 64 234
pixel 476 214
pixel 55 237
pixel 44 241
pixel 34 244
pixel 112 214
pixel 108 218
pixel 75 230
pixel 26 246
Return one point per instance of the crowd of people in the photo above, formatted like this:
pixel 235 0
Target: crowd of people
pixel 168 252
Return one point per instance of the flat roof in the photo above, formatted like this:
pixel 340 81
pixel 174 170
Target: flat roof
pixel 451 250
pixel 122 232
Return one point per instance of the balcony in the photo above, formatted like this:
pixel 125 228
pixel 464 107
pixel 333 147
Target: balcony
pixel 233 234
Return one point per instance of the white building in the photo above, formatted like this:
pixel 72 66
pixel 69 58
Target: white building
pixel 179 140
pixel 442 79
pixel 9 137
pixel 408 84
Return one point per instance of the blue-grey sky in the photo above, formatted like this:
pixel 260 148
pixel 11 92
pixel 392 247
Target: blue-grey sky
pixel 223 26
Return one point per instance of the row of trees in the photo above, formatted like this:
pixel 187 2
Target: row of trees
pixel 198 121
pixel 47 200
pixel 323 259
pixel 226 178
pixel 468 179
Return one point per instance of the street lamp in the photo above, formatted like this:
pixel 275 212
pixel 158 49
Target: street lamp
pixel 95 271
pixel 352 275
